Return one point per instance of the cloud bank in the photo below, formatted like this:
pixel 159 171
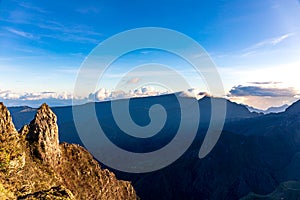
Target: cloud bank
pixel 35 99
pixel 11 98
pixel 193 92
pixel 259 94
pixel 107 95
pixel 265 82
pixel 263 95
pixel 262 91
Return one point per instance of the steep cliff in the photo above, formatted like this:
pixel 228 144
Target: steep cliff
pixel 33 165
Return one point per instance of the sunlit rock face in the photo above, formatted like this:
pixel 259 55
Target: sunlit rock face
pixel 33 165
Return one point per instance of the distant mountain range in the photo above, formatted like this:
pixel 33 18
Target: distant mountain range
pixel 23 114
pixel 257 156
pixel 272 109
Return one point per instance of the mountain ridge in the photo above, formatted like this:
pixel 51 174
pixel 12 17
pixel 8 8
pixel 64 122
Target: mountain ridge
pixel 272 109
pixel 254 154
pixel 33 165
pixel 22 115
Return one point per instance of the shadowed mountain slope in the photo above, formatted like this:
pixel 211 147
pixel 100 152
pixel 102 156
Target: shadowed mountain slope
pixel 255 153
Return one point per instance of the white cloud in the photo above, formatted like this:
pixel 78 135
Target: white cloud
pixel 133 80
pixel 249 53
pixel 7 94
pixel 103 94
pixel 31 7
pixel 146 91
pixel 46 95
pixel 10 95
pixel 271 41
pixel 106 95
pixel 35 99
pixel 281 38
pixel 20 33
pixel 63 32
pixel 193 92
pixel 90 9
pixel 266 43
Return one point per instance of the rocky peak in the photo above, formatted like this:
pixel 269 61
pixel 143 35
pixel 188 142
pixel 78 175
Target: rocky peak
pixel 11 155
pixel 33 165
pixel 6 124
pixel 43 135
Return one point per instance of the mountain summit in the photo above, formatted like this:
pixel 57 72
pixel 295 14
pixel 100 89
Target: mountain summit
pixel 6 124
pixel 33 165
pixel 43 136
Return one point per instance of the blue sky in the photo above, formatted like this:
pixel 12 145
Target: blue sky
pixel 43 44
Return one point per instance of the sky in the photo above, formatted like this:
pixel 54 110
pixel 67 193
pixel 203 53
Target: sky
pixel 255 46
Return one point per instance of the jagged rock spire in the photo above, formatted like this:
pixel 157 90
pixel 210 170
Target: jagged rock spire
pixel 43 135
pixel 6 124
pixel 11 154
pixel 50 170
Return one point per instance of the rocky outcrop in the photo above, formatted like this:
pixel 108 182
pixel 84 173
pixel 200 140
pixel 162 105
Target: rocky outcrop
pixel 11 154
pixel 6 125
pixel 33 165
pixel 43 136
pixel 84 177
pixel 59 192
